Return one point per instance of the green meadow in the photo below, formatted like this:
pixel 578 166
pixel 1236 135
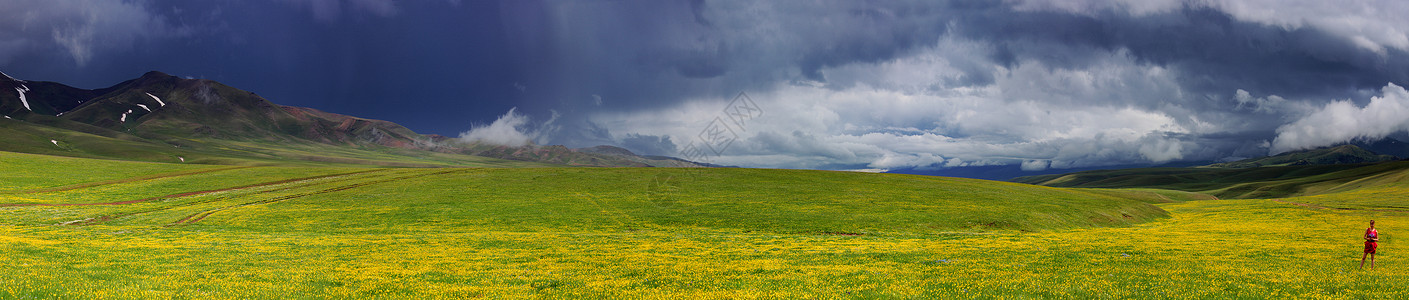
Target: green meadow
pixel 99 229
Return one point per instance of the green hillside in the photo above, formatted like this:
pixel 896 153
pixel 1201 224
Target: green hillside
pixel 28 137
pixel 1344 154
pixel 1245 183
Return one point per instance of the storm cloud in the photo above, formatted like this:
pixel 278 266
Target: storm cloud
pixel 78 29
pixel 1042 84
pixel 1035 84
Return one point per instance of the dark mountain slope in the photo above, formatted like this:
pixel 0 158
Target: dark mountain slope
pixel 1299 173
pixel 40 97
pixel 1344 154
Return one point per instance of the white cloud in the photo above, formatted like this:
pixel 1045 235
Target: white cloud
pixel 1161 150
pixel 509 130
pixel 1370 24
pixel 1034 165
pixel 1033 115
pixel 1343 121
pixel 970 98
pixel 1135 7
pixel 897 160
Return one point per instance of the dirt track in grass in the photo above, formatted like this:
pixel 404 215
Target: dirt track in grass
pixel 197 217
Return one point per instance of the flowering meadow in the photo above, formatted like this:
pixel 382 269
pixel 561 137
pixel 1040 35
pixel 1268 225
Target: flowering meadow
pixel 183 232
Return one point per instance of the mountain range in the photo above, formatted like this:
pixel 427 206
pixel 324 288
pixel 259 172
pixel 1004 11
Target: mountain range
pixel 164 118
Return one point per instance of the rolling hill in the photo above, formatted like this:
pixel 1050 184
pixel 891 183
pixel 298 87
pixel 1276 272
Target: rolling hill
pixel 1286 175
pixel 1343 154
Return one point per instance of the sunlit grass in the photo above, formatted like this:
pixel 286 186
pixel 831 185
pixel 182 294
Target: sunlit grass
pixel 20 172
pixel 684 233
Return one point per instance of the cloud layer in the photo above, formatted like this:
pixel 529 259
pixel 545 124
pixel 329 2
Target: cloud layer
pixel 1342 121
pixel 1034 84
pixel 925 84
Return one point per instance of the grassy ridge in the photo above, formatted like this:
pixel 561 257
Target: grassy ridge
pixel 27 137
pixel 31 137
pixel 1246 183
pixel 1385 198
pixel 1343 154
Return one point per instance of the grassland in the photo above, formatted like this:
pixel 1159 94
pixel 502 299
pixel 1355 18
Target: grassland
pixel 182 232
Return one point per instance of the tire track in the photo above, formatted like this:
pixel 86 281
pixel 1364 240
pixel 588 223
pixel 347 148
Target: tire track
pixel 93 221
pixel 187 194
pixel 197 217
pixel 124 180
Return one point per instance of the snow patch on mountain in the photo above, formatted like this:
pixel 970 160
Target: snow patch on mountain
pixel 144 107
pixel 23 89
pixel 155 98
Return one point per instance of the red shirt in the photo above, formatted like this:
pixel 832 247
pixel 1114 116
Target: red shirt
pixel 1371 233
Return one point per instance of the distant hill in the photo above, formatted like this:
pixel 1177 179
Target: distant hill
pixel 1257 182
pixel 1386 146
pixel 1344 154
pixel 1008 172
pixel 651 160
pixel 159 117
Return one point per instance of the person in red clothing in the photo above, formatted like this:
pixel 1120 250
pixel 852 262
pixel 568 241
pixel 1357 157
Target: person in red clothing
pixel 1372 238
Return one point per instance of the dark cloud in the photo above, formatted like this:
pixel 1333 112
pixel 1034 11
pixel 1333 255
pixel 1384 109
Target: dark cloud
pixel 1214 52
pixel 929 84
pixel 432 66
pixel 655 53
pixel 648 144
pixel 667 51
pixel 78 32
pixel 1200 56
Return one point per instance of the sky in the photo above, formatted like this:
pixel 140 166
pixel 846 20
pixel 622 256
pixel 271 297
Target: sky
pixel 876 85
